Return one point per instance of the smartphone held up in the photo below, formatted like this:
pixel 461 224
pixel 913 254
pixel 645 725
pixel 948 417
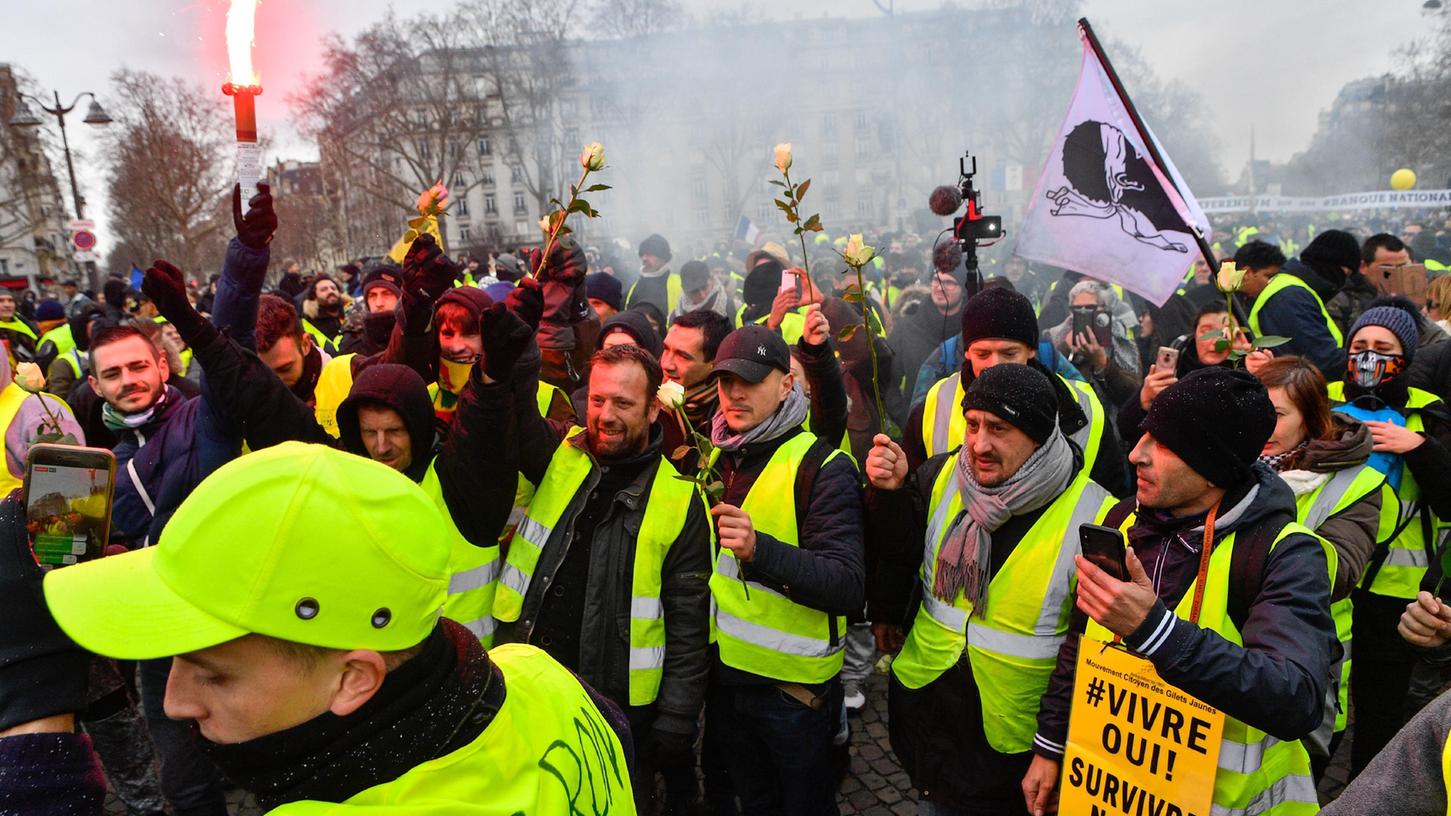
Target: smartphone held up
pixel 68 495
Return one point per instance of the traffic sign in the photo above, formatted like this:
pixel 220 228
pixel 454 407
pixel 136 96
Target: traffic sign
pixel 86 257
pixel 80 224
pixel 84 240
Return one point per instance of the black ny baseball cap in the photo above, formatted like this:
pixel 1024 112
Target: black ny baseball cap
pixel 750 353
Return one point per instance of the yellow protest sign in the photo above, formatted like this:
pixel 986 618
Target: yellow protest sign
pixel 1136 745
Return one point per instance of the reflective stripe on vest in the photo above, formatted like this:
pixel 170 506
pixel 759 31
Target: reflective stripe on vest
pixel 944 427
pixel 333 385
pixel 1285 280
pixel 665 510
pixel 1258 774
pixel 1013 645
pixel 473 572
pixel 327 344
pixel 1339 492
pixel 769 634
pixel 73 357
pixel 1409 553
pixel 548 750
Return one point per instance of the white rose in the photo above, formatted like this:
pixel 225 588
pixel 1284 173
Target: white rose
pixel 1230 277
pixel 671 395
pixel 593 157
pixel 29 378
pixel 544 224
pixel 857 253
pixel 783 156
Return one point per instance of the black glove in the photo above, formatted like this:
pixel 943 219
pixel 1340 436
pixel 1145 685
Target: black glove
pixel 42 672
pixel 427 272
pixel 166 286
pixel 527 301
pixel 257 227
pixel 567 264
pixel 672 749
pixel 505 337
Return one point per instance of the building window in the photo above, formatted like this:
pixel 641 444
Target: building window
pixel 521 227
pixel 864 207
pixel 702 218
pixel 863 120
pixel 698 187
pixel 516 174
pixel 520 208
pixel 484 147
pixel 490 208
pixel 486 178
pixel 863 149
pixel 764 214
pixel 828 124
pixel 829 151
pixel 571 135
pixel 463 207
pixel 463 235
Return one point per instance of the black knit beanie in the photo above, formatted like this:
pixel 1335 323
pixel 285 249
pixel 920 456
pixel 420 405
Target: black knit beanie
pixel 999 314
pixel 1216 419
pixel 1021 395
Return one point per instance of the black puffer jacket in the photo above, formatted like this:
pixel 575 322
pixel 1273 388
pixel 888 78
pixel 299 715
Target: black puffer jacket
pixel 1276 680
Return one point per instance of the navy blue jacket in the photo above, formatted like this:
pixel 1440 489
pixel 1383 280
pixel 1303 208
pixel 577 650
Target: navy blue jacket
pixel 1292 312
pixel 159 464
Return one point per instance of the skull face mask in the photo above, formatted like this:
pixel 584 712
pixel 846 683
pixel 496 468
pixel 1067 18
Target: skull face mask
pixel 1368 368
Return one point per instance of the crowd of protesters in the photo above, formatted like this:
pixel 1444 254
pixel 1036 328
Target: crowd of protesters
pixel 593 533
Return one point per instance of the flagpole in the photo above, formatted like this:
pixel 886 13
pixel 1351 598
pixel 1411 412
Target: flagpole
pixel 1092 39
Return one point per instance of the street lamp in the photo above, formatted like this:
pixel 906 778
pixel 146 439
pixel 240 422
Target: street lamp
pixel 95 115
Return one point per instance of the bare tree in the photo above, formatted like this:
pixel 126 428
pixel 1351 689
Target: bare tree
pixel 525 61
pixel 396 110
pixel 622 19
pixel 171 170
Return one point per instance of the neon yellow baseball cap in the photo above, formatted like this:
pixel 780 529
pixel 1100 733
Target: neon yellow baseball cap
pixel 299 542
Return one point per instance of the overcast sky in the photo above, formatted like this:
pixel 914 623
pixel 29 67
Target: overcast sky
pixel 1273 64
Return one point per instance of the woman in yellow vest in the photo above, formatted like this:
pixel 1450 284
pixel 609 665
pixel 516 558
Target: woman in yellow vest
pixel 1322 456
pixel 1411 430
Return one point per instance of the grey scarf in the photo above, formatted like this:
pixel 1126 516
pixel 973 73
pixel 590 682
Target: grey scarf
pixel 965 561
pixel 790 415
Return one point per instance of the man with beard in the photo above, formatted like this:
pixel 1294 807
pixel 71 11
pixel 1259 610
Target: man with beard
pixel 611 535
pixel 292 353
pixel 322 313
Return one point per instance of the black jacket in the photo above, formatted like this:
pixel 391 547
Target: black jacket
pixel 918 330
pixel 604 659
pixel 1276 680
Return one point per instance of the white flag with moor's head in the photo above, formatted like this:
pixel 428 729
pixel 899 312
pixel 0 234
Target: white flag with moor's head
pixel 1103 207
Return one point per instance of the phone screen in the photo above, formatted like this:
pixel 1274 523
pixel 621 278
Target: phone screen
pixel 68 511
pixel 1104 548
